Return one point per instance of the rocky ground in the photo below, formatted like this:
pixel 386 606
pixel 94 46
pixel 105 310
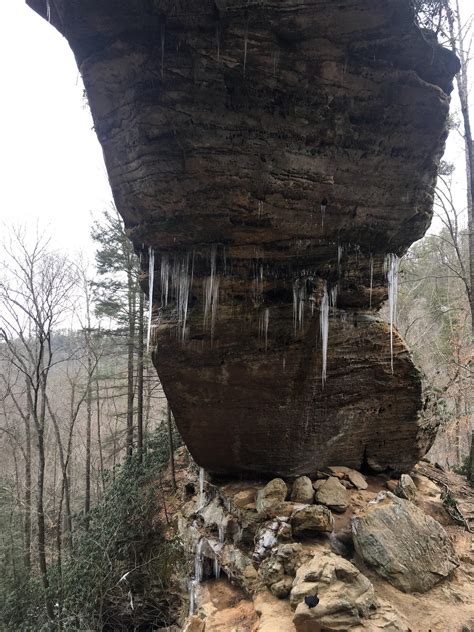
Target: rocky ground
pixel 335 551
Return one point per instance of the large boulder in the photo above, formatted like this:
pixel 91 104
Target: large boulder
pixel 332 494
pixel 266 156
pixel 345 595
pixel 404 545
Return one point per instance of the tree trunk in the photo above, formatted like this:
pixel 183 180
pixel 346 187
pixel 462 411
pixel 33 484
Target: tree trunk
pixel 140 377
pixel 171 447
pixel 27 522
pixel 41 526
pixel 456 31
pixel 130 362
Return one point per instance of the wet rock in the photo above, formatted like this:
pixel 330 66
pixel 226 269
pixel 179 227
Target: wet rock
pixel 410 549
pixel 345 595
pixel 406 488
pixel 194 624
pixel 272 495
pixel 312 519
pixel 302 491
pixel 332 494
pixel 357 479
pixel 268 536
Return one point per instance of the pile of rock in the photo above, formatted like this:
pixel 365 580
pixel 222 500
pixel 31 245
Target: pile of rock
pixel 276 540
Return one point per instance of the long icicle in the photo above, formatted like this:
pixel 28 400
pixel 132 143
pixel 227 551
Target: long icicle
pixel 151 282
pixel 391 269
pixel 371 279
pixel 324 326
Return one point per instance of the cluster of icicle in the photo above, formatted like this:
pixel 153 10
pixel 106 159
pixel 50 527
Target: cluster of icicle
pixel 198 555
pixel 176 281
pixel 328 300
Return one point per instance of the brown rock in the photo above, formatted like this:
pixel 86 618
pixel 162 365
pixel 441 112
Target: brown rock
pixel 272 495
pixel 332 494
pixel 281 588
pixel 194 624
pixel 312 519
pixel 357 479
pixel 244 498
pixel 391 485
pixel 302 491
pixel 406 488
pixel 345 595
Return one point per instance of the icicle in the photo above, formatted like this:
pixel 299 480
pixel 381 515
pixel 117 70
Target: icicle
pixel 211 294
pixel 165 276
pixel 299 301
pixel 391 270
pixel 181 284
pixel 263 326
pixel 192 597
pixel 371 279
pixel 218 43
pixel 217 567
pixel 48 10
pixel 333 299
pixel 162 37
pixel 202 495
pixel 323 211
pixel 260 208
pixel 151 281
pixel 198 562
pixel 339 257
pixel 324 326
pixel 246 39
pixel 221 534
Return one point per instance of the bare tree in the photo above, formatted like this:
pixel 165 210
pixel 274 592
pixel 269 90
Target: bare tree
pixel 35 295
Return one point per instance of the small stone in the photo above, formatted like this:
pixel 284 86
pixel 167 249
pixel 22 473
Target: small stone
pixel 312 519
pixel 332 494
pixel 282 588
pixel 302 491
pixel 274 493
pixel 406 488
pixel 357 479
pixel 339 471
pixel 244 498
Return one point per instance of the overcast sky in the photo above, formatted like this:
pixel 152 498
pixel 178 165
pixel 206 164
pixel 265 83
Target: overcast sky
pixel 51 163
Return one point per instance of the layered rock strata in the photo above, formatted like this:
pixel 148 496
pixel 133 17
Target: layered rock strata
pixel 266 157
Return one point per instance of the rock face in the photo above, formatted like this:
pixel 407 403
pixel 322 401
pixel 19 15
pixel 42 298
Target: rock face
pixel 266 157
pixel 404 545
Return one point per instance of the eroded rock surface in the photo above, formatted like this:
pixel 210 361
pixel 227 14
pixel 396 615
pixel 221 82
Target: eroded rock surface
pixel 403 544
pixel 266 157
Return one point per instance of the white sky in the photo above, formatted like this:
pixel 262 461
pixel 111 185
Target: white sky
pixel 51 165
